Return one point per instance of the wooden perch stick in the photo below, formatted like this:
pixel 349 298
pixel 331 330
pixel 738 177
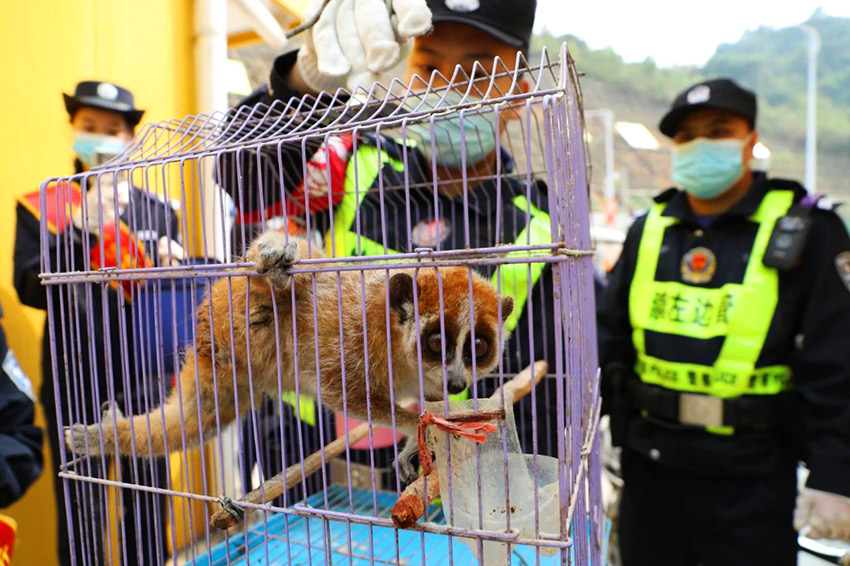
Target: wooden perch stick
pixel 231 511
pixel 273 487
pixel 414 500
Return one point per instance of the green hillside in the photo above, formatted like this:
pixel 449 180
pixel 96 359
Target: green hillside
pixel 772 62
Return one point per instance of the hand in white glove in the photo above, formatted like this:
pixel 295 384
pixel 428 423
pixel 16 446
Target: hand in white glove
pixel 170 252
pixel 827 515
pixel 102 201
pixel 354 41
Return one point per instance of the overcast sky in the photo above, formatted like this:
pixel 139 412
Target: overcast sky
pixel 673 32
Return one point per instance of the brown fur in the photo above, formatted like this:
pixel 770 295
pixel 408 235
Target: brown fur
pixel 218 360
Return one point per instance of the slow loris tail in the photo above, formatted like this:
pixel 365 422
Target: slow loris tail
pixel 163 430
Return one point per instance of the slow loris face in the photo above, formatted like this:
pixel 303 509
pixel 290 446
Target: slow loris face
pixel 466 343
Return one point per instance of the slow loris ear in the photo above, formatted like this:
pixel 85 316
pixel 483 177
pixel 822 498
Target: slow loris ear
pixel 507 307
pixel 401 295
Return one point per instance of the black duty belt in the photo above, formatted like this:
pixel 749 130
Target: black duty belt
pixel 748 412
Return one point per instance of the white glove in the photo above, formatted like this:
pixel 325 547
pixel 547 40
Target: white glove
pixel 354 41
pixel 103 200
pixel 170 252
pixel 820 514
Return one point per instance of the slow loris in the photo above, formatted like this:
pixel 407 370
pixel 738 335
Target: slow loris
pixel 221 354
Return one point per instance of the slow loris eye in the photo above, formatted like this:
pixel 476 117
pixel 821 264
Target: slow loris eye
pixel 482 348
pixel 434 343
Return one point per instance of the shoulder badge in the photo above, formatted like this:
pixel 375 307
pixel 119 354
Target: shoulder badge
pixel 842 263
pixel 17 375
pixel 827 204
pixel 698 265
pixel 429 233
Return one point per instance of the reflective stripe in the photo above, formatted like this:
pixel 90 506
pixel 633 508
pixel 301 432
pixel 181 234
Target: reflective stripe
pixel 740 312
pixel 340 241
pixel 306 408
pixel 695 378
pixel 748 327
pixel 517 279
pixel 360 174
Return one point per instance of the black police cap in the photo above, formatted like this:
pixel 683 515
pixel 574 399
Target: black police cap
pixel 723 94
pixel 106 96
pixel 510 21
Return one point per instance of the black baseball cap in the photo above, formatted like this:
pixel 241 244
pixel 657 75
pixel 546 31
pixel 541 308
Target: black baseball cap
pixel 106 96
pixel 723 94
pixel 510 21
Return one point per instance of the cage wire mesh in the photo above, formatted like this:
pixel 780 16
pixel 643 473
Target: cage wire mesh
pixel 236 293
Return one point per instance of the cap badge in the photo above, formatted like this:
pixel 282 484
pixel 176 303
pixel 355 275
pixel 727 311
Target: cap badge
pixel 698 265
pixel 107 91
pixel 699 94
pixel 462 5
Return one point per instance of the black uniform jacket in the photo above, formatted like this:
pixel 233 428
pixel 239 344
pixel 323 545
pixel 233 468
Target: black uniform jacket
pixel 78 320
pixel 810 331
pixel 387 223
pixel 21 459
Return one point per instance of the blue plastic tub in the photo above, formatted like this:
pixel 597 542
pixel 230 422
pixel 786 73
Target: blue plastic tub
pixel 283 540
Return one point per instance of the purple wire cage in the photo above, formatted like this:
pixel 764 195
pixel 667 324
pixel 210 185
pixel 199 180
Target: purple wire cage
pixel 437 179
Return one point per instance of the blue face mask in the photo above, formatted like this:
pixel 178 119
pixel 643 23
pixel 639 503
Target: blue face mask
pixel 478 129
pixel 707 168
pixel 89 146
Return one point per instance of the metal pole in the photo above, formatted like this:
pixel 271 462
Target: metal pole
pixel 811 116
pixel 210 97
pixel 610 196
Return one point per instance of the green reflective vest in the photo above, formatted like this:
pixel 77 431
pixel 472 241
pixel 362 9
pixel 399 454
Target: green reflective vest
pixel 741 312
pixel 516 280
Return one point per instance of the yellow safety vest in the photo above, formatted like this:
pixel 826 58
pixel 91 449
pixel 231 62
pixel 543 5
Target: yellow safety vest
pixel 740 312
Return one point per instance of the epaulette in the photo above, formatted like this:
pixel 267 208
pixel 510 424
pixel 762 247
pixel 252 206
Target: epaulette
pixel 804 198
pixel 821 202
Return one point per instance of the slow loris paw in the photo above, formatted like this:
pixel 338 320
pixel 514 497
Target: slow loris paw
pixel 83 440
pixel 274 257
pixel 408 470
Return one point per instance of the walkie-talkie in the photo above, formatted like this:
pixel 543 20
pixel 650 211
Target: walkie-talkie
pixel 788 238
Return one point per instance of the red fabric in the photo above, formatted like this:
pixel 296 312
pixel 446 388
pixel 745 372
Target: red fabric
pixel 329 162
pixel 8 527
pixel 132 253
pixel 325 174
pixel 57 199
pixel 466 425
pixel 61 201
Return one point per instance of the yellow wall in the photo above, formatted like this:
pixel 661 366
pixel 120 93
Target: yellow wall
pixel 45 48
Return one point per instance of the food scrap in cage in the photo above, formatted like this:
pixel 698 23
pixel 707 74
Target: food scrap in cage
pixel 216 357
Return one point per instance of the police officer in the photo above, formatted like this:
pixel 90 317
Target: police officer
pixel 21 459
pixel 723 343
pixel 463 33
pixel 103 118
